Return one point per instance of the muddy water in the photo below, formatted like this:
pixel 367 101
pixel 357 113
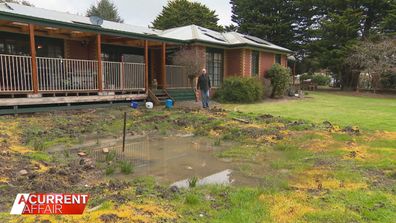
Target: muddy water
pixel 174 160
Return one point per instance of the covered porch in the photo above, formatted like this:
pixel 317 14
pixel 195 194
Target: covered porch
pixel 41 64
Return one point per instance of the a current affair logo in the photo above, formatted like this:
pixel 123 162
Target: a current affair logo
pixel 53 204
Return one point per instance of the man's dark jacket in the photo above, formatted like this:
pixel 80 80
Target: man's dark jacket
pixel 203 82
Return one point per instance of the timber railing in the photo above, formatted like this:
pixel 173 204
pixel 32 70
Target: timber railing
pixel 68 75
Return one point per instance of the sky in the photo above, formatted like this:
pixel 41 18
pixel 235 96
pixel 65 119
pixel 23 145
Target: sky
pixel 134 12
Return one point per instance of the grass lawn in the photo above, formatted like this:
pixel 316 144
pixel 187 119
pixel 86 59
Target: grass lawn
pixel 369 113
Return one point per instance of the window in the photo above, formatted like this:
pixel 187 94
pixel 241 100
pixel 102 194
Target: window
pixel 255 63
pixel 278 58
pixel 214 66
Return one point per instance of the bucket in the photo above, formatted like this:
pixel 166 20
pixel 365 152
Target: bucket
pixel 149 105
pixel 134 105
pixel 169 103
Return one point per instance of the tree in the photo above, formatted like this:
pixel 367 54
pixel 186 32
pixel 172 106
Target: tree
pixel 106 10
pixel 322 33
pixel 388 24
pixel 23 2
pixel 272 20
pixel 375 58
pixel 183 12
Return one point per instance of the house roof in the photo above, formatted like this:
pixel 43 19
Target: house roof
pixel 194 33
pixel 185 34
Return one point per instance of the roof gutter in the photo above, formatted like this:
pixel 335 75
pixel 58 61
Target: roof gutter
pixel 82 27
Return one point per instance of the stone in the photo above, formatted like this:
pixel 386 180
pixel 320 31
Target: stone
pixel 174 189
pixel 105 150
pixel 81 154
pixel 23 172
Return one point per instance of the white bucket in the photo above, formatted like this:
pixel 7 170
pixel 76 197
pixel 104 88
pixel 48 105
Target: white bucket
pixel 149 105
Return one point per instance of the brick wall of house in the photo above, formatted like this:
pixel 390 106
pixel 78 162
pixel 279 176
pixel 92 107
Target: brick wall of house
pixel 247 60
pixel 232 62
pixel 266 62
pixel 75 49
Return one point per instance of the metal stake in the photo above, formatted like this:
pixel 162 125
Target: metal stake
pixel 123 137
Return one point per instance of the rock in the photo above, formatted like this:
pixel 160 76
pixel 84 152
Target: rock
pixel 189 168
pixel 81 154
pixel 352 129
pixel 23 172
pixel 174 189
pixel 105 150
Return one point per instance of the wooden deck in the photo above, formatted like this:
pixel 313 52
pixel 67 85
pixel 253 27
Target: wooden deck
pixel 7 102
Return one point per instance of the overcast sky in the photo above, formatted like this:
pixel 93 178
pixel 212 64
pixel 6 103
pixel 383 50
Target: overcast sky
pixel 135 12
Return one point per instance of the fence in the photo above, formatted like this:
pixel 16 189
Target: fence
pixel 176 77
pixel 15 73
pixel 68 75
pixel 55 74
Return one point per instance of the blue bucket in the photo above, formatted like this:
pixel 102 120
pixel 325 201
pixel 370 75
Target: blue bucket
pixel 169 103
pixel 134 105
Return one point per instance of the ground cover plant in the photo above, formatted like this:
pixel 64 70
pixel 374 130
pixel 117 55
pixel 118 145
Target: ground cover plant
pixel 306 171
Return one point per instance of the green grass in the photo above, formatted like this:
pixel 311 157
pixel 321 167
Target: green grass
pixel 368 113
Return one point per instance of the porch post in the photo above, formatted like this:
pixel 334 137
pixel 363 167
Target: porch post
pixel 34 59
pixel 146 66
pixel 163 63
pixel 99 56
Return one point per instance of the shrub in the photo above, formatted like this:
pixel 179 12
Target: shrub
pixel 280 79
pixel 126 167
pixel 319 79
pixel 240 89
pixel 388 80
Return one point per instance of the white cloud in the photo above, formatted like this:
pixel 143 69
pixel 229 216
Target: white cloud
pixel 135 12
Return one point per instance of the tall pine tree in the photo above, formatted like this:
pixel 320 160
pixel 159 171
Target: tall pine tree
pixel 183 12
pixel 106 10
pixel 273 20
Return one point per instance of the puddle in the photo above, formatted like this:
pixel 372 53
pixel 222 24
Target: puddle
pixel 175 160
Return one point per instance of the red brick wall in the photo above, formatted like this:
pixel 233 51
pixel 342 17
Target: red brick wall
pixel 266 62
pixel 80 50
pixel 232 62
pixel 247 60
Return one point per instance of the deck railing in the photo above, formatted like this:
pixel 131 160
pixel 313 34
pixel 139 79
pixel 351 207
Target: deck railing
pixel 123 76
pixel 67 75
pixel 15 73
pixel 176 77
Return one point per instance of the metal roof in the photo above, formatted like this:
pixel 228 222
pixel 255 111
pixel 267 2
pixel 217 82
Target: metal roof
pixel 185 34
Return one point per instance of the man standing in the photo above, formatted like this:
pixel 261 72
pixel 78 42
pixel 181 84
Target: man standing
pixel 203 84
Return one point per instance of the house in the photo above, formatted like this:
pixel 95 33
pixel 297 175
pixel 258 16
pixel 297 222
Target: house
pixel 49 57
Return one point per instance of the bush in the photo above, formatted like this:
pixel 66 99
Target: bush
pixel 319 79
pixel 240 89
pixel 388 80
pixel 126 167
pixel 280 79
